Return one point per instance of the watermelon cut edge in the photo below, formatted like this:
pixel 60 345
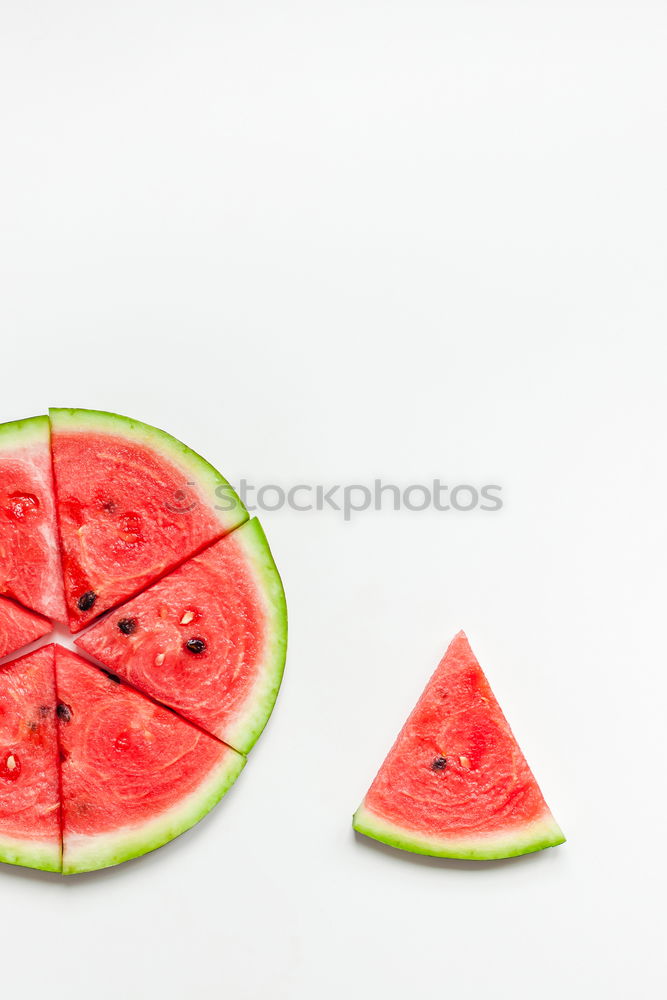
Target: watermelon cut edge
pixel 19 627
pixel 508 843
pixel 229 508
pixel 86 854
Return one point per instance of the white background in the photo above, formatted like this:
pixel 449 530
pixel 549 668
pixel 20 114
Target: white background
pixel 329 241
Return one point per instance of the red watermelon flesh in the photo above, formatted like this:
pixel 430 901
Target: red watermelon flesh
pixel 455 783
pixel 208 639
pixel 30 570
pixel 18 627
pixel 134 775
pixel 133 502
pixel 29 782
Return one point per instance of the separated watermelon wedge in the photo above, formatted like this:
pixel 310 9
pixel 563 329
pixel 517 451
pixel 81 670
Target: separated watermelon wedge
pixel 208 640
pixel 456 784
pixel 29 780
pixel 30 570
pixel 133 502
pixel 134 775
pixel 19 627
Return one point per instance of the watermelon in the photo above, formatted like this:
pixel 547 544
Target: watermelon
pixel 134 774
pixel 208 640
pixel 19 627
pixel 96 768
pixel 133 502
pixel 29 555
pixel 29 782
pixel 455 783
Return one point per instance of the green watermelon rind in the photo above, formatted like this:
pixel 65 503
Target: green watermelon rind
pixel 251 722
pixel 87 854
pixel 29 854
pixel 510 843
pixel 228 507
pixel 22 433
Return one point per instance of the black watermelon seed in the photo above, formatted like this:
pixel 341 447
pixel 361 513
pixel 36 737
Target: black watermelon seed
pixel 439 764
pixel 86 600
pixel 64 712
pixel 195 645
pixel 112 677
pixel 127 625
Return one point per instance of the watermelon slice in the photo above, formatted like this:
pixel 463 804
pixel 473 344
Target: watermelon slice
pixel 208 640
pixel 455 784
pixel 133 774
pixel 133 502
pixel 18 627
pixel 29 555
pixel 29 784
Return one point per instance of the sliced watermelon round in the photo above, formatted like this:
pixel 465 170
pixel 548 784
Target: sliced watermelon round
pixel 19 627
pixel 133 502
pixel 208 640
pixel 134 774
pixel 455 784
pixel 29 782
pixel 30 569
pixel 93 770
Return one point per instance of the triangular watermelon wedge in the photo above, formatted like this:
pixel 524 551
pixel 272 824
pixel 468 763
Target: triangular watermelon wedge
pixel 30 570
pixel 456 784
pixel 19 627
pixel 208 639
pixel 134 775
pixel 133 502
pixel 29 782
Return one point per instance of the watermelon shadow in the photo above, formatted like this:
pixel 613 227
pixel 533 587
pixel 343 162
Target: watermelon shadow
pixel 450 864
pixel 31 874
